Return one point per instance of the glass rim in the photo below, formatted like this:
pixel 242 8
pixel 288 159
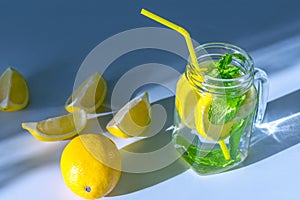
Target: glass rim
pixel 214 82
pixel 249 60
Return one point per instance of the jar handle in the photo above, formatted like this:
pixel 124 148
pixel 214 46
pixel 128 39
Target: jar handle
pixel 262 81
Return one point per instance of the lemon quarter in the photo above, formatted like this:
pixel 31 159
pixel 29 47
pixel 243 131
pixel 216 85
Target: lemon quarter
pixel 91 165
pixel 89 95
pixel 58 128
pixel 14 93
pixel 132 119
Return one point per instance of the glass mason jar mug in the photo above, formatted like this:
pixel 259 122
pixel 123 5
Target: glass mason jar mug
pixel 217 105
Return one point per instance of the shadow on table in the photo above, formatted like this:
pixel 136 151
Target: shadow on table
pixel 280 130
pixel 152 160
pixel 14 168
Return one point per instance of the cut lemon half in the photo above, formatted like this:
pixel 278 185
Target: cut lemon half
pixel 58 128
pixel 14 93
pixel 185 101
pixel 132 119
pixel 204 127
pixel 89 95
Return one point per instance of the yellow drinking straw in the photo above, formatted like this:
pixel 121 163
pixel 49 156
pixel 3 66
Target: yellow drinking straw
pixel 193 56
pixel 177 28
pixel 224 149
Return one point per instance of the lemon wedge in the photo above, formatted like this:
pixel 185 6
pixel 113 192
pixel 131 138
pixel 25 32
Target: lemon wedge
pixel 14 93
pixel 89 95
pixel 91 165
pixel 58 128
pixel 185 101
pixel 132 119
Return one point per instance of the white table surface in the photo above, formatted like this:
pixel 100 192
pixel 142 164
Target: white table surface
pixel 275 177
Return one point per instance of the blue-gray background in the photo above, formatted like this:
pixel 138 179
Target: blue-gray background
pixel 47 40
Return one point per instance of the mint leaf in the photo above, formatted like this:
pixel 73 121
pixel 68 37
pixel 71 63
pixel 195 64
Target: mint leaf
pixel 224 62
pixel 230 72
pixel 236 133
pixel 223 109
pixel 226 70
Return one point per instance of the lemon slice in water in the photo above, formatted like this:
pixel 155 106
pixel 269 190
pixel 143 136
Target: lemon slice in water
pixel 89 95
pixel 58 128
pixel 132 119
pixel 14 93
pixel 248 105
pixel 185 101
pixel 208 130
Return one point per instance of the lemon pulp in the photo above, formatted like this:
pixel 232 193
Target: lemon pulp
pixel 58 128
pixel 89 96
pixel 132 119
pixel 14 92
pixel 205 128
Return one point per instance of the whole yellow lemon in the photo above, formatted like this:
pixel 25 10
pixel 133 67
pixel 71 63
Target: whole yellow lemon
pixel 91 165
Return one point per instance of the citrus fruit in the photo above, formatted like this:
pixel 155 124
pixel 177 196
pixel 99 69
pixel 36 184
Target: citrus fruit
pixel 185 101
pixel 58 128
pixel 132 119
pixel 14 93
pixel 91 165
pixel 248 105
pixel 226 115
pixel 204 127
pixel 89 95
